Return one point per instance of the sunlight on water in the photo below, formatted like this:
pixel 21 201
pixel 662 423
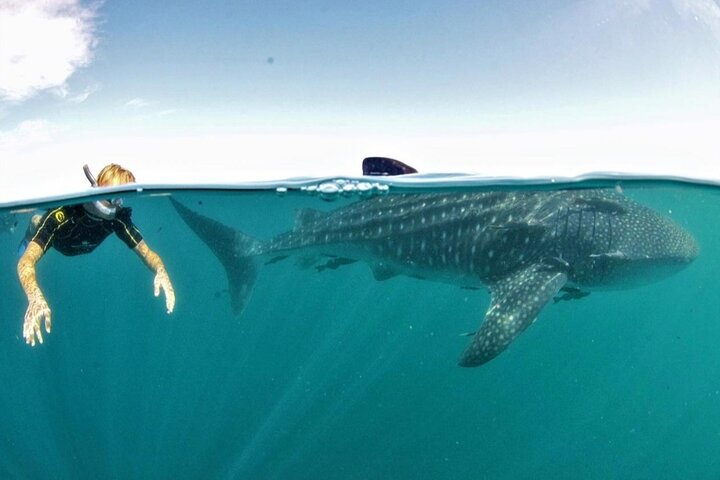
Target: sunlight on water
pixel 337 370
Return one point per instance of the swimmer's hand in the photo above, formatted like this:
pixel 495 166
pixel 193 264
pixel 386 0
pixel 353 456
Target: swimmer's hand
pixel 37 310
pixel 162 280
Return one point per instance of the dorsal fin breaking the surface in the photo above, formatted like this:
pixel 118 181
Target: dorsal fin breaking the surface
pixel 383 166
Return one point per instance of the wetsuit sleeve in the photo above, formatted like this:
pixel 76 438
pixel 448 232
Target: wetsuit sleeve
pixel 48 227
pixel 126 229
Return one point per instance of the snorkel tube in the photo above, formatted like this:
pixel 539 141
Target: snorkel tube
pixel 104 209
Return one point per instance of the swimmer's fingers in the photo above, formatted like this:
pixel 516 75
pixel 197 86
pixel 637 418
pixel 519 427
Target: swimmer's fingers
pixel 37 311
pixel 37 330
pixel 29 327
pixel 169 296
pixel 47 315
pixel 162 281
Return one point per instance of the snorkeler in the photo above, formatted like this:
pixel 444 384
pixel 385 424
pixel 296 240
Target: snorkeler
pixel 76 230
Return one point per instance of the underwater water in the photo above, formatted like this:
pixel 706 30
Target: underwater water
pixel 333 374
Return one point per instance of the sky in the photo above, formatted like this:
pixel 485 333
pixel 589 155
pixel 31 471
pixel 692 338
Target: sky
pixel 230 91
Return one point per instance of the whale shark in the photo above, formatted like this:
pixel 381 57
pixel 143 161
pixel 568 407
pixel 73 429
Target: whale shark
pixel 523 246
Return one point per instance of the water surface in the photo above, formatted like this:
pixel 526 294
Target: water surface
pixel 336 375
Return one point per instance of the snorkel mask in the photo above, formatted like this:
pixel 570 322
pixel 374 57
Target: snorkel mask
pixel 105 209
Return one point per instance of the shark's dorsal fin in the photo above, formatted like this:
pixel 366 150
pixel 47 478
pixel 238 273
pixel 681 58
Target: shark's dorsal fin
pixel 385 166
pixel 515 303
pixel 308 216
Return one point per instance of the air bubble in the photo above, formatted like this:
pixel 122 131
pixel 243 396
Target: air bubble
pixel 331 189
pixel 328 188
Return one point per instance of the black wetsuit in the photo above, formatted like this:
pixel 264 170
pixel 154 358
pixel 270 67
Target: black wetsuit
pixel 71 230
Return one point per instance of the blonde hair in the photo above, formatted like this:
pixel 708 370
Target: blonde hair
pixel 114 174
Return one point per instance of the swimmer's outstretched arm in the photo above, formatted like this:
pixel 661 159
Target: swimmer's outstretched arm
pixel 38 308
pixel 162 279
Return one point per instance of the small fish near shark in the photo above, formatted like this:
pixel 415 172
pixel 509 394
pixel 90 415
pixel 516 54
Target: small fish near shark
pixel 524 246
pixel 8 222
pixel 570 293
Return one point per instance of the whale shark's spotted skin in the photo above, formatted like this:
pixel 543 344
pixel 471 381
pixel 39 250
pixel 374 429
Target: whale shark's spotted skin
pixel 524 246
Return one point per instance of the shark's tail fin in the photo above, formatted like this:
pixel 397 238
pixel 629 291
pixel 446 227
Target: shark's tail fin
pixel 235 250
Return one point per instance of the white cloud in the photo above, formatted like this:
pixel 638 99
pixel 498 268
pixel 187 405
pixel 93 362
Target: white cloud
pixel 169 111
pixel 137 103
pixel 42 42
pixel 81 97
pixel 706 12
pixel 28 134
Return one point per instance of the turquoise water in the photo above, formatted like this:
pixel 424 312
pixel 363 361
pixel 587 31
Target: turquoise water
pixel 336 375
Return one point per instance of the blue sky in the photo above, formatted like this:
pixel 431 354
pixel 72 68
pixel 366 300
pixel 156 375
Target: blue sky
pixel 274 89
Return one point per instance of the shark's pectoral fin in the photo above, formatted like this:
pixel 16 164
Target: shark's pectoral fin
pixel 516 301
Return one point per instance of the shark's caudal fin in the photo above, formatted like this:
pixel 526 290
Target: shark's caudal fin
pixel 235 250
pixel 515 304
